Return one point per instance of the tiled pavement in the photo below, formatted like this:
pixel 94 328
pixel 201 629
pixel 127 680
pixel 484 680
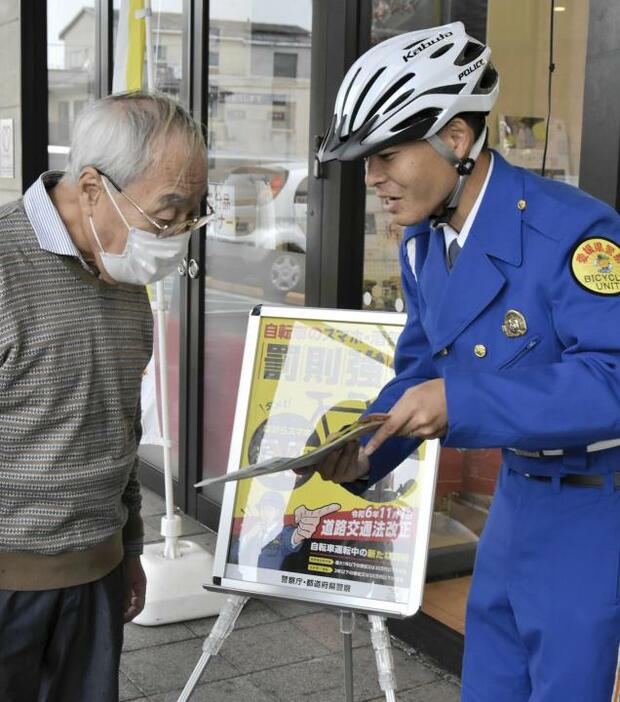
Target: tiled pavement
pixel 279 651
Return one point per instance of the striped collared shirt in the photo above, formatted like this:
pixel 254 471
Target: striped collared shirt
pixel 45 220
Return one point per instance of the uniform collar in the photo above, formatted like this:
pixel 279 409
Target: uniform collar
pixel 497 224
pixel 449 233
pixel 497 227
pixel 454 300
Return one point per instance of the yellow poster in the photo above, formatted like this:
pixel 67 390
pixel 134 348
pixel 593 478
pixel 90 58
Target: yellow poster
pixel 309 379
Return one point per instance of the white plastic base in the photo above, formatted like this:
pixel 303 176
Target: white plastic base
pixel 174 586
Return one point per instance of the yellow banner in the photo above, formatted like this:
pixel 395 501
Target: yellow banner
pixel 135 49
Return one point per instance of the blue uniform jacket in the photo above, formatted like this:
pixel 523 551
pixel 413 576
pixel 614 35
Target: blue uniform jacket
pixel 556 386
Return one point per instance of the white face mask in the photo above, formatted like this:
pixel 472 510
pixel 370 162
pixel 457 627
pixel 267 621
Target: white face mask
pixel 146 257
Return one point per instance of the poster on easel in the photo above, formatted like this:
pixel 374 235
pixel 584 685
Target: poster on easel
pixel 306 374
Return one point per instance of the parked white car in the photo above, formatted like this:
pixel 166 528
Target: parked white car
pixel 258 233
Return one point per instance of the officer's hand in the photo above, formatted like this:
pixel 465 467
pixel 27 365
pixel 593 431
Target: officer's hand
pixel 421 412
pixel 345 465
pixel 307 520
pixel 135 587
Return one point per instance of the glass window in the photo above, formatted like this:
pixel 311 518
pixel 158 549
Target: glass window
pixel 520 51
pixel 259 92
pixel 167 37
pixel 284 65
pixel 161 52
pixel 214 49
pixel 71 71
pixel 520 45
pixel 282 115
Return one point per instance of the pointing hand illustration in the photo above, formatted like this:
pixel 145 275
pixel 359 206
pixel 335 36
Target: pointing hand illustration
pixel 307 520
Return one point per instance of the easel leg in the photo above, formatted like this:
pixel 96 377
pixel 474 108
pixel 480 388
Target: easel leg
pixel 221 630
pixel 382 646
pixel 347 624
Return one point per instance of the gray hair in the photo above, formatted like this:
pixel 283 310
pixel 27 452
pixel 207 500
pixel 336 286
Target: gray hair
pixel 117 134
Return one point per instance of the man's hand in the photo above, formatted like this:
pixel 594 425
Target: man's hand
pixel 421 411
pixel 307 521
pixel 135 587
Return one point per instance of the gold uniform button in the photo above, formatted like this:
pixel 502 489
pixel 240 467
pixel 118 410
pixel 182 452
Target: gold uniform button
pixel 444 352
pixel 522 204
pixel 480 350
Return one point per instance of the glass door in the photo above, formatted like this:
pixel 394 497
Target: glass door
pixel 71 72
pixel 258 119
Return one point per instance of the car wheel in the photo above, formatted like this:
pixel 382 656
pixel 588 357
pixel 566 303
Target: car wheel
pixel 285 272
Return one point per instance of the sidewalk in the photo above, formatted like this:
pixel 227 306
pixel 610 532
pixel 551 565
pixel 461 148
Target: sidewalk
pixel 279 651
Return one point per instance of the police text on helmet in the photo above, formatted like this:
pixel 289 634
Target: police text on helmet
pixel 424 45
pixel 472 68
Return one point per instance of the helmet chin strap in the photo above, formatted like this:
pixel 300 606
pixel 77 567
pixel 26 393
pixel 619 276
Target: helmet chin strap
pixel 464 167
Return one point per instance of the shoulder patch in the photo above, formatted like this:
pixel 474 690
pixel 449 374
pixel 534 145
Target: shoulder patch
pixel 595 265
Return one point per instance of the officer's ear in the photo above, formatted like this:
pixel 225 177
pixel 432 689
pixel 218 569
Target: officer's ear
pixel 458 137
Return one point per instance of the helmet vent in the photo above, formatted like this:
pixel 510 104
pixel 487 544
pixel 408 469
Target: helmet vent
pixel 399 99
pixel 389 92
pixel 488 80
pixel 453 89
pixel 346 95
pixel 362 96
pixel 441 51
pixel 471 52
pixel 419 124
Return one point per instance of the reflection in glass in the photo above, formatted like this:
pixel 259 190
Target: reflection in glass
pixel 167 38
pixel 71 72
pixel 517 123
pixel 258 117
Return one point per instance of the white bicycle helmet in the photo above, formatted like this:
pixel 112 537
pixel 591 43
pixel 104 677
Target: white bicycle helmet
pixel 409 87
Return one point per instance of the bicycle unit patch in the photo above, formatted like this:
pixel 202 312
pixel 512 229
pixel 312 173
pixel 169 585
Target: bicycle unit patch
pixel 595 265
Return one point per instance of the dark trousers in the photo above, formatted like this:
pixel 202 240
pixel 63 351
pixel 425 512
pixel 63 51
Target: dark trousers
pixel 62 645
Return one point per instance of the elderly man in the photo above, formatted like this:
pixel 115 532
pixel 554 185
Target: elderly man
pixel 75 337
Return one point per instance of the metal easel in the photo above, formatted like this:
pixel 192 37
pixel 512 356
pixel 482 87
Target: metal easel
pixel 380 638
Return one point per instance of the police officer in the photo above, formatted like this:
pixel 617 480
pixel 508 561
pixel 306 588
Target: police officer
pixel 510 342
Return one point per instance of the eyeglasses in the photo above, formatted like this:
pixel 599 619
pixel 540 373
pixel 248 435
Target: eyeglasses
pixel 164 230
